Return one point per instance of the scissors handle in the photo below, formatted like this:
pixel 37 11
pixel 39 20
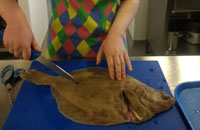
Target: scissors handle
pixel 8 75
pixel 17 72
pixel 6 79
pixel 34 54
pixel 16 76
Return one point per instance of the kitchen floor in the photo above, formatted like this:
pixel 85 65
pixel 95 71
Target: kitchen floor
pixel 184 48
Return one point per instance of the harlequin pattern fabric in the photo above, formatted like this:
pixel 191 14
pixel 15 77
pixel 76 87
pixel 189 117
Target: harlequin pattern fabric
pixel 78 27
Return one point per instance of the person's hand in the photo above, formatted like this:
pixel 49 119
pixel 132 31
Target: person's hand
pixel 116 56
pixel 18 38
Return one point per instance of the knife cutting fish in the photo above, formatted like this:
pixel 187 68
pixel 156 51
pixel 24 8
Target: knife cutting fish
pixel 37 56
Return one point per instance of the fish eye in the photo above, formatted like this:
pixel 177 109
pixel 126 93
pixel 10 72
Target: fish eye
pixel 166 97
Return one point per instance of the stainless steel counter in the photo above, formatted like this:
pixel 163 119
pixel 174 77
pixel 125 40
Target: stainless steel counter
pixel 177 69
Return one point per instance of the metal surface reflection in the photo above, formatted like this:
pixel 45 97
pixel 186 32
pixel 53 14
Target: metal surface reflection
pixel 177 69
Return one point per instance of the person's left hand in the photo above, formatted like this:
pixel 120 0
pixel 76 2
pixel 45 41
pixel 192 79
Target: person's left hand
pixel 116 56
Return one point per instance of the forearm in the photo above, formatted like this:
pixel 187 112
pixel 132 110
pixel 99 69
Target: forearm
pixel 125 14
pixel 9 11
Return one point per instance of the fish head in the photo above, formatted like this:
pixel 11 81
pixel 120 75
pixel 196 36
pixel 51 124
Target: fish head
pixel 159 100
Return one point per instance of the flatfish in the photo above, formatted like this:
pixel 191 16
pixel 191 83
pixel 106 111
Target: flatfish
pixel 97 100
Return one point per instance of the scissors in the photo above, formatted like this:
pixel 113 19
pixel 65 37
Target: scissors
pixel 9 77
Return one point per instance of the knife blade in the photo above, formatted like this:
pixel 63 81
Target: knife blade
pixel 37 56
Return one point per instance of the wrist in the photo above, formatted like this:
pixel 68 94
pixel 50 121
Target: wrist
pixel 10 11
pixel 116 31
pixel 16 17
pixel 115 34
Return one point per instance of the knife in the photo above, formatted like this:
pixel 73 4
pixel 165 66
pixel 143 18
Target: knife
pixel 37 56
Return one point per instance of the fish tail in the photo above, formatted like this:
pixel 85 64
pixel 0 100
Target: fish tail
pixel 37 77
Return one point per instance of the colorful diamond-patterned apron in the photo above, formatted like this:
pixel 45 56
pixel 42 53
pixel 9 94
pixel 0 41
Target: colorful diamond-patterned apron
pixel 78 27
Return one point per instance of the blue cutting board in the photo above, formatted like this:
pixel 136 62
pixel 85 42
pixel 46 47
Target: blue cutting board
pixel 36 109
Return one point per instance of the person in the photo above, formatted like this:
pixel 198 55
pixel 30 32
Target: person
pixel 79 28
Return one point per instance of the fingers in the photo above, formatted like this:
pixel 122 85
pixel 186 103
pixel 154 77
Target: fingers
pixel 5 44
pixel 10 49
pixel 118 68
pixel 36 46
pixel 17 52
pixel 27 50
pixel 128 62
pixel 99 56
pixel 110 63
pixel 123 67
pixel 23 51
pixel 26 53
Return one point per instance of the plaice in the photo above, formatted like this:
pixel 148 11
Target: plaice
pixel 101 101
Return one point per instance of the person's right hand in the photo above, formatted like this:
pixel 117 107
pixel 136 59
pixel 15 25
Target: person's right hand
pixel 19 39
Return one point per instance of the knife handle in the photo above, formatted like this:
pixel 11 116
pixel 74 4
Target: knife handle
pixel 1 35
pixel 34 54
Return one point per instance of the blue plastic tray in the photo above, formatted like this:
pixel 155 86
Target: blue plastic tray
pixel 188 98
